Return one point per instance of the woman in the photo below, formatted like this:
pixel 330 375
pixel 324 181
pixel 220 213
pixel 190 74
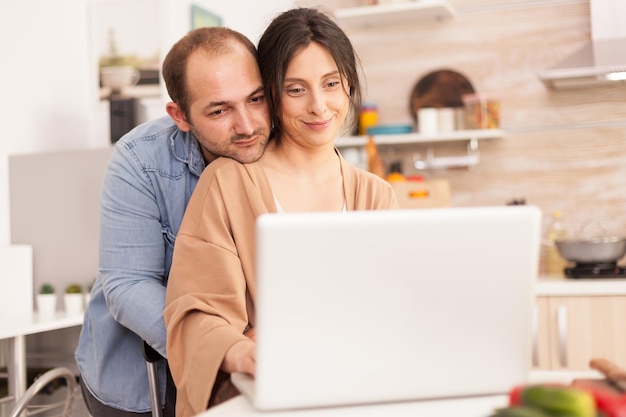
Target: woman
pixel 310 75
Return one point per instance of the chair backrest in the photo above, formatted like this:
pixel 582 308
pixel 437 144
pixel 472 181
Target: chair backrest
pixel 27 406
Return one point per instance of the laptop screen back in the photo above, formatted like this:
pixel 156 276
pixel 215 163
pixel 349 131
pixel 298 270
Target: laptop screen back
pixel 379 306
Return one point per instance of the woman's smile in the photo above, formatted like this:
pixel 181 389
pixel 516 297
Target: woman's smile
pixel 319 125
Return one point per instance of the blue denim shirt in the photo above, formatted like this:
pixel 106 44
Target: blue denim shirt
pixel 147 185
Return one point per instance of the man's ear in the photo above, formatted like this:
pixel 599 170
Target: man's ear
pixel 178 116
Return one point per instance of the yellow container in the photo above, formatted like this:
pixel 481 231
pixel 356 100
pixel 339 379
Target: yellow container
pixel 368 117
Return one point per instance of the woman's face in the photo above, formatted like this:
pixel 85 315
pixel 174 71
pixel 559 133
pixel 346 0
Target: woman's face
pixel 315 101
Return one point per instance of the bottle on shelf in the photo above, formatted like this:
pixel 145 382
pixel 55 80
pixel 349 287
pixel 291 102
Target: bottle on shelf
pixel 368 117
pixel 375 163
pixel 554 262
pixel 395 172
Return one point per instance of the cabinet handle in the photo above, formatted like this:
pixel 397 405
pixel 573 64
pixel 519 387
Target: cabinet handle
pixel 561 318
pixel 535 347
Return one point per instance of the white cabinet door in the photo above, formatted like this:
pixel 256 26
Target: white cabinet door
pixel 573 330
pixel 541 334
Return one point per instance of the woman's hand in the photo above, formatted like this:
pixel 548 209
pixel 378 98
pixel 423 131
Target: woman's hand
pixel 251 333
pixel 240 357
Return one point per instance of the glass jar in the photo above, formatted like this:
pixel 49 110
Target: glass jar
pixel 368 117
pixel 481 112
pixel 554 262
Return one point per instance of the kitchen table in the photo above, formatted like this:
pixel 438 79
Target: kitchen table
pixel 480 406
pixel 465 407
pixel 15 332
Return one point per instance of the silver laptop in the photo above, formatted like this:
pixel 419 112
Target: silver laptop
pixel 380 306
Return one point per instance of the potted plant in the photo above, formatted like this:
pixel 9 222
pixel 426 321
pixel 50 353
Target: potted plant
pixel 73 299
pixel 46 300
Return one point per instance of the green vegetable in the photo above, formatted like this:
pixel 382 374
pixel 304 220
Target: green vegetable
pixel 520 411
pixel 559 400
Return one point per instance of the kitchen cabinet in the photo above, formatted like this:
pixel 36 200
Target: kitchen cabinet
pixel 570 330
pixel 395 13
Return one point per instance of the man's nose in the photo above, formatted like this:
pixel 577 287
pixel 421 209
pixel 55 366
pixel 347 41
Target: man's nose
pixel 243 123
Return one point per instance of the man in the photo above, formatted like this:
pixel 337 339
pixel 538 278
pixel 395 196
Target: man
pixel 218 108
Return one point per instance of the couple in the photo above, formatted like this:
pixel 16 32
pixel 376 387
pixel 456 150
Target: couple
pixel 305 85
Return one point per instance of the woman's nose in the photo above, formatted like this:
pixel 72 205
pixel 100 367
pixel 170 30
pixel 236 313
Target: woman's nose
pixel 317 104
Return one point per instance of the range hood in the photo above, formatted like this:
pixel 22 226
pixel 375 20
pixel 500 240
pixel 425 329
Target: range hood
pixel 602 61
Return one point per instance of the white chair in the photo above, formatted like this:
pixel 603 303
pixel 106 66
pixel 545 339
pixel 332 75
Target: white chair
pixel 25 406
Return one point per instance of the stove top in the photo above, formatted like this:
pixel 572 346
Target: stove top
pixel 596 270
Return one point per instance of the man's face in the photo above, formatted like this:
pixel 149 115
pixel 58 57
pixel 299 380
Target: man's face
pixel 228 112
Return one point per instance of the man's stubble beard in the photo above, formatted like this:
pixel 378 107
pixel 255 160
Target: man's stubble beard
pixel 231 150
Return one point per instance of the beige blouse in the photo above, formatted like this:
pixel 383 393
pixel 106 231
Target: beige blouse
pixel 211 288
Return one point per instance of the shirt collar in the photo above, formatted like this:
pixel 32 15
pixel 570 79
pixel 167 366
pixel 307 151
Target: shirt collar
pixel 186 149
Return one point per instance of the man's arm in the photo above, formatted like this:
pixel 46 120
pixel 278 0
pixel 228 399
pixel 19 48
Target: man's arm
pixel 132 250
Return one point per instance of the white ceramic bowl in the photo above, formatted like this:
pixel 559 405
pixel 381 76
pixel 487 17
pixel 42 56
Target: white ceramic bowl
pixel 119 77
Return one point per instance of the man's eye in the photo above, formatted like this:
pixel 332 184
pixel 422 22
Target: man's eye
pixel 257 99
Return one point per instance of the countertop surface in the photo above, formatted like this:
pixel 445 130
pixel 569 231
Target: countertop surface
pixel 468 407
pixel 554 285
pixel 462 407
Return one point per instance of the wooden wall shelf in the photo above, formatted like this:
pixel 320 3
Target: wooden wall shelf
pixel 413 138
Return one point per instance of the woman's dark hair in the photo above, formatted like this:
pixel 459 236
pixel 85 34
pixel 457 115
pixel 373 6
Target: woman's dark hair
pixel 286 35
pixel 214 41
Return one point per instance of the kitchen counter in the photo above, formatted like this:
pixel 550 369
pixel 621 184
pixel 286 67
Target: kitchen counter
pixel 554 285
pixel 466 407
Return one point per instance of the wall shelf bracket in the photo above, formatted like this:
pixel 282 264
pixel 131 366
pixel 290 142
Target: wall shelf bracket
pixel 430 161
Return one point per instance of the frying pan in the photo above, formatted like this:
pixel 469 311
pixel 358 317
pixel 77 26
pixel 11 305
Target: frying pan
pixel 603 249
pixel 594 250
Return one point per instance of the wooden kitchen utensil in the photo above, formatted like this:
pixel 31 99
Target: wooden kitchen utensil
pixel 611 371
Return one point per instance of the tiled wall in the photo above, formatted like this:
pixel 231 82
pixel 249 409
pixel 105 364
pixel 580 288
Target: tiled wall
pixel 562 150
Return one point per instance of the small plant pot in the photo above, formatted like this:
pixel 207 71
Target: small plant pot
pixel 46 305
pixel 73 304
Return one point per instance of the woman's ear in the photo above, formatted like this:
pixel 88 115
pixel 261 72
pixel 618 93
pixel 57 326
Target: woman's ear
pixel 177 114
